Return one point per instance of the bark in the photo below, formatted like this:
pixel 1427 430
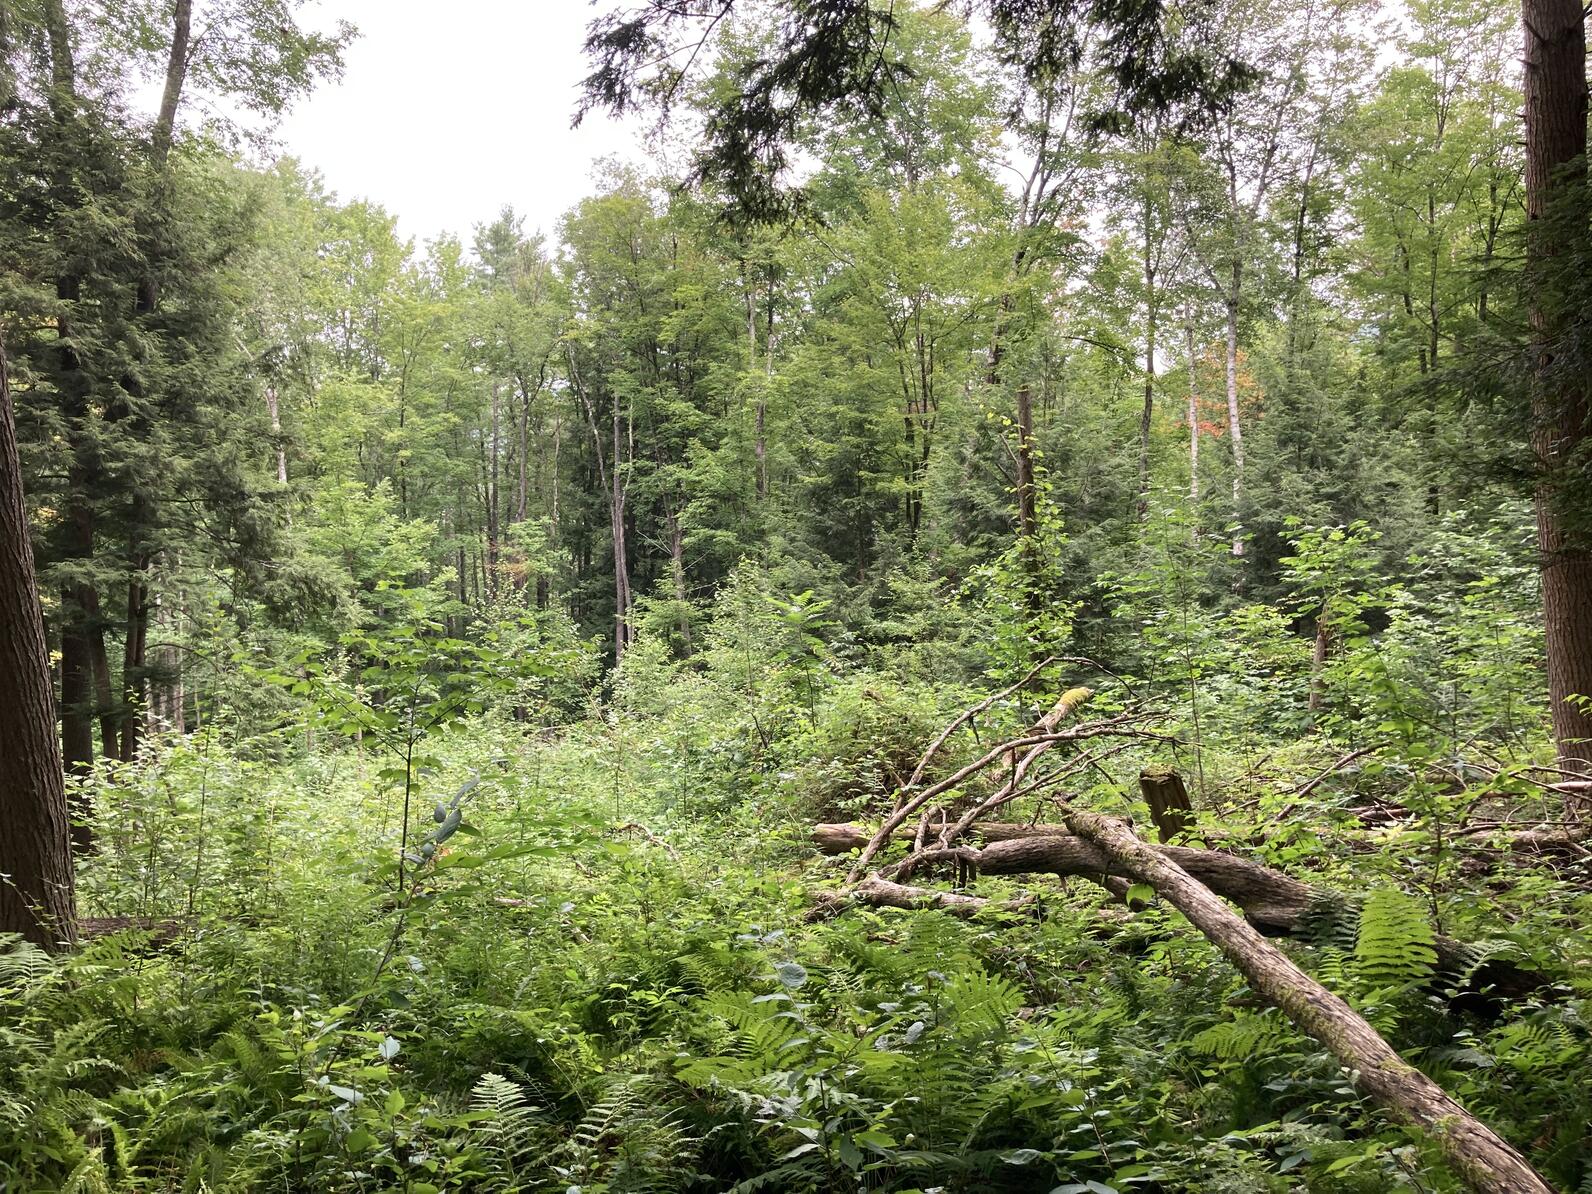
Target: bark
pixel 1275 903
pixel 1484 1160
pixel 1556 137
pixel 493 564
pixel 1167 796
pixel 1027 501
pixel 176 73
pixel 677 577
pixel 1193 419
pixel 1152 312
pixel 273 408
pixel 1235 428
pixel 37 898
pixel 100 661
pixel 134 661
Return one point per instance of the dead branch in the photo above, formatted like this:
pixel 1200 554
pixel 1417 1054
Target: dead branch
pixel 1197 883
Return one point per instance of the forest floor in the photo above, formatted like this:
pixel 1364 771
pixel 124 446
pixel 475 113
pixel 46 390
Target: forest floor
pixel 609 979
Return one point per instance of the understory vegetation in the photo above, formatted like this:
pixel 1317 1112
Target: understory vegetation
pixel 607 977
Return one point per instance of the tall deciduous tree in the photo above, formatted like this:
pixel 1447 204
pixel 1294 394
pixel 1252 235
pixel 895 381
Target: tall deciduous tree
pixel 1556 208
pixel 36 881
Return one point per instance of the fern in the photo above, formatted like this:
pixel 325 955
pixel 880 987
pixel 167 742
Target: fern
pixel 1242 1038
pixel 1395 945
pixel 507 1131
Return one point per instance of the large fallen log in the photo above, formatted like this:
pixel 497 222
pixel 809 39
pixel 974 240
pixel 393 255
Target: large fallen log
pixel 1198 883
pixel 1275 903
pixel 1190 881
pixel 1480 1156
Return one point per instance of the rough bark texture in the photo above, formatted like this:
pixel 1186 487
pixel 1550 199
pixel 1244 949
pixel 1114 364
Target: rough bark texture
pixel 1275 903
pixel 1556 136
pixel 1483 1159
pixel 1167 796
pixel 38 899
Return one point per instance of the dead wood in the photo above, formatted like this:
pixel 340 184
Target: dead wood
pixel 1167 796
pixel 1199 884
pixel 1275 903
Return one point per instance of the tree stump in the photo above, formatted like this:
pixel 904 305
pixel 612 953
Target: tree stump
pixel 1165 793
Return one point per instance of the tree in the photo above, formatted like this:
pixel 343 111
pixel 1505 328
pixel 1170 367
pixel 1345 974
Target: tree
pixel 1561 395
pixel 37 896
pixel 838 60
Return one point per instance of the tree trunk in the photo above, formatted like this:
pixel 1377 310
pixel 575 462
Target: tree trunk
pixel 1027 498
pixel 1556 136
pixel 273 408
pixel 176 72
pixel 1152 312
pixel 677 576
pixel 37 898
pixel 1234 428
pixel 1193 422
pixel 493 564
pixel 134 660
pixel 616 509
pixel 1318 662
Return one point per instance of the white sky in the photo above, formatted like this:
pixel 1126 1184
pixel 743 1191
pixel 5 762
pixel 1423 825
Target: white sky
pixel 447 112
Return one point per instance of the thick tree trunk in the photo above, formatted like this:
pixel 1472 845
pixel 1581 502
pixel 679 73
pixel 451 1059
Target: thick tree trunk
pixel 37 897
pixel 1556 137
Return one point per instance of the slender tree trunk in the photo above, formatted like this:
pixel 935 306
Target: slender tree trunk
pixel 273 408
pixel 1193 421
pixel 1556 137
pixel 37 897
pixel 677 576
pixel 522 484
pixel 134 661
pixel 176 73
pixel 99 658
pixel 1142 508
pixel 616 510
pixel 1027 498
pixel 77 662
pixel 1235 429
pixel 493 529
pixel 1152 305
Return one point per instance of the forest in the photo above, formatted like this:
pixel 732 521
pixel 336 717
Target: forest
pixel 1006 606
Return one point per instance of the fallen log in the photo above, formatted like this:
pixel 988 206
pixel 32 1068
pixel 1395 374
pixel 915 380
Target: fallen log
pixel 1275 903
pixel 1103 845
pixel 1482 1158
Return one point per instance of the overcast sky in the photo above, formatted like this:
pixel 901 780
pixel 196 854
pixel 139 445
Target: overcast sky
pixel 448 111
